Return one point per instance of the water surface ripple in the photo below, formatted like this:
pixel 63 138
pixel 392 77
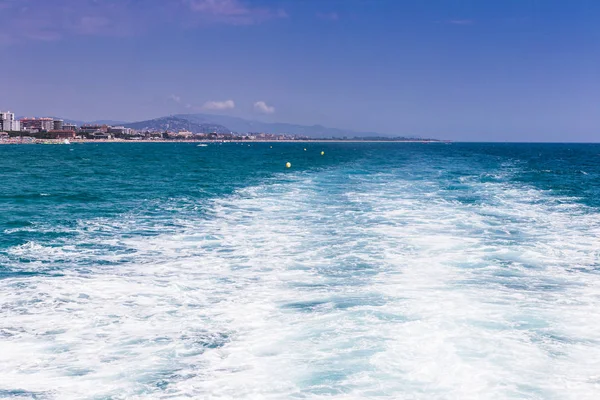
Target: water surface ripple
pixel 398 271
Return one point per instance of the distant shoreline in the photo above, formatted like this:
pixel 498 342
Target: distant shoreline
pixel 81 141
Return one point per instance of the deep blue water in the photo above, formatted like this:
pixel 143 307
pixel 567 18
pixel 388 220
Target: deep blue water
pixel 393 270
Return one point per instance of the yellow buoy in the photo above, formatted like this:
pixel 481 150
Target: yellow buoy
pixel 322 153
pixel 288 165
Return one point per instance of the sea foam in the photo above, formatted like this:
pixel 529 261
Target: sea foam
pixel 343 283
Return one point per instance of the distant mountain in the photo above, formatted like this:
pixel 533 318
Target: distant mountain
pixel 71 121
pixel 207 123
pixel 242 125
pixel 107 122
pixel 176 124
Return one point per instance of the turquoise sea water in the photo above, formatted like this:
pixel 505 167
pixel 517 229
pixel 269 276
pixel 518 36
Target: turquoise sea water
pixel 398 271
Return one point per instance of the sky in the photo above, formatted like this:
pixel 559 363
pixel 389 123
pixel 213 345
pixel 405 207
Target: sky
pixel 474 70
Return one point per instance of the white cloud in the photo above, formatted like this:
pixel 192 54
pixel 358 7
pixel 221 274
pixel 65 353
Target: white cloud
pixel 234 12
pixel 461 22
pixel 54 20
pixel 209 105
pixel 219 105
pixel 175 98
pixel 262 107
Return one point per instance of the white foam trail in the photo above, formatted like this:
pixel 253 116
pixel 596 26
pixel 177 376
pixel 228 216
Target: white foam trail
pixel 329 285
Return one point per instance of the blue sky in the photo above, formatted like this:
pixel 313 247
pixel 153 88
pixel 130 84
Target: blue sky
pixel 464 70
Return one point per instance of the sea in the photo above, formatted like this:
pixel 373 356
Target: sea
pixel 376 270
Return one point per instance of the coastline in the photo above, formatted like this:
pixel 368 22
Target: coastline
pixel 82 141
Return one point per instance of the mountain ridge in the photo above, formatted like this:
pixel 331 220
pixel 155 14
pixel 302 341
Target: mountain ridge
pixel 243 125
pixel 176 124
pixel 207 123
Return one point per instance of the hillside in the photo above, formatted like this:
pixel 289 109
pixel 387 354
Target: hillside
pixel 207 123
pixel 177 124
pixel 243 125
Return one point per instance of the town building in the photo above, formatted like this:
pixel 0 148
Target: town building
pixel 61 134
pixel 135 136
pixel 8 122
pixel 69 127
pixel 57 124
pixel 154 135
pixel 119 131
pixel 37 124
pixel 86 128
pixel 180 135
pixel 99 135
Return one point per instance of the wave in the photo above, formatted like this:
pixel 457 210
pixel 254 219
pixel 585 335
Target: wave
pixel 339 283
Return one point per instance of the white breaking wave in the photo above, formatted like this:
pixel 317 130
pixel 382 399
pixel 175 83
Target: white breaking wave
pixel 326 286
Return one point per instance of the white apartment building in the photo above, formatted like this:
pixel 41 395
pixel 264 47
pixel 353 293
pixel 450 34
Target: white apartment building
pixel 8 122
pixel 119 130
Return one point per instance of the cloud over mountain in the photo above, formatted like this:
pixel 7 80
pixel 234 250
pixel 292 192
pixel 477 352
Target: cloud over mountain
pixel 263 108
pixel 219 105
